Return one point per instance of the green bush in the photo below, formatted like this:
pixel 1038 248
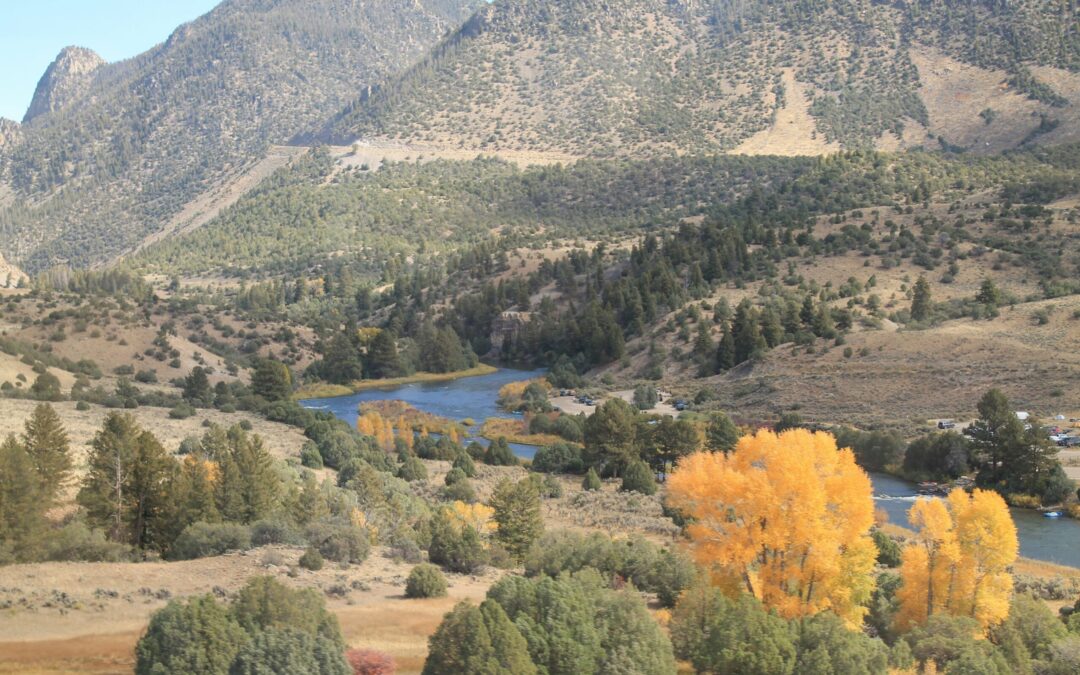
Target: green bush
pixel 200 540
pixel 638 477
pixel 286 650
pixel 412 469
pixel 558 458
pixel 457 550
pixel 310 456
pixel 592 481
pixel 888 550
pixel 425 581
pixel 311 560
pixel 339 540
pixel 182 412
pixel 193 636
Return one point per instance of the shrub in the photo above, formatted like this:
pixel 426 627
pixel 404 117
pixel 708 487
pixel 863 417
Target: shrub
pixel 425 581
pixel 200 540
pixel 558 458
pixel 310 456
pixel 197 636
pixel 266 532
pixel 285 650
pixel 592 481
pixel 182 412
pixel 456 550
pixel 888 550
pixel 311 560
pixel 454 476
pixel 370 662
pixel 412 469
pixel 339 540
pixel 638 478
pixel 81 406
pixel 465 463
pixel 460 491
pixel 76 541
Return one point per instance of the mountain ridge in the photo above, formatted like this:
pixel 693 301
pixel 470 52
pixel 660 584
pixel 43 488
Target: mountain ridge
pixel 66 79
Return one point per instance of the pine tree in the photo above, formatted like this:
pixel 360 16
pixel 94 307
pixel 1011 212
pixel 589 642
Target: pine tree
pixel 591 482
pixel 517 512
pixel 22 508
pixel 721 435
pixel 920 300
pixel 195 493
pixel 249 486
pixel 611 435
pixel 197 390
pixel 127 489
pixel 748 341
pixel 47 444
pixel 382 357
pixel 272 380
pixel 725 352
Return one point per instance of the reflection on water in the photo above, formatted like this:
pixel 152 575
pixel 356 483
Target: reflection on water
pixel 1054 540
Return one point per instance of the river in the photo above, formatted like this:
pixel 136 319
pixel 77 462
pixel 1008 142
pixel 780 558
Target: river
pixel 1051 540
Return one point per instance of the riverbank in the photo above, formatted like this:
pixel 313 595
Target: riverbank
pixel 327 390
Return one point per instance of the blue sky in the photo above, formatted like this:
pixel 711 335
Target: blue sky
pixel 33 32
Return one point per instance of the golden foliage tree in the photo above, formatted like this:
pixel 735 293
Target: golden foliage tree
pixel 784 516
pixel 958 562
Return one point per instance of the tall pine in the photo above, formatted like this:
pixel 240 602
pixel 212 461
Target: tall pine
pixel 47 444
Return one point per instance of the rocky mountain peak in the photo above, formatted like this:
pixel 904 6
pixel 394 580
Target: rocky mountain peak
pixel 64 80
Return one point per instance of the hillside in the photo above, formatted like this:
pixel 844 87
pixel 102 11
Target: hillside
pixel 633 77
pixel 111 152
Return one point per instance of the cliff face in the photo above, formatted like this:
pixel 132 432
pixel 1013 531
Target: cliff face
pixel 66 79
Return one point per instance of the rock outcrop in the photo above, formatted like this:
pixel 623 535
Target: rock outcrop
pixel 65 80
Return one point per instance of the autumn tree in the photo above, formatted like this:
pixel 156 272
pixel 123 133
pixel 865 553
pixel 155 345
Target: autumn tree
pixel 786 517
pixel 45 440
pixel 958 562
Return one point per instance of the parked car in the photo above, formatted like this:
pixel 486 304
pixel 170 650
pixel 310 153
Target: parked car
pixel 946 424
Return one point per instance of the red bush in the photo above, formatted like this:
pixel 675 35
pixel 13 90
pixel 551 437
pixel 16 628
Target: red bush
pixel 370 662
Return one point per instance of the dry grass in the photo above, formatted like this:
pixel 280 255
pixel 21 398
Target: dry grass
pixel 395 382
pixel 516 431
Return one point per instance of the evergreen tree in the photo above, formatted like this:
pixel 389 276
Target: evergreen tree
pixel 249 486
pixel 517 512
pixel 285 650
pixel 272 380
pixel 193 636
pixel 920 300
pixel 478 640
pixel 197 390
pixel 22 508
pixel 704 349
pixel 47 444
pixel 194 494
pixel 988 294
pixel 748 341
pixel 591 482
pixel 46 387
pixel 382 357
pixel 721 435
pixel 127 488
pixel 498 453
pixel 639 478
pixel 725 352
pixel 611 435
pixel 341 362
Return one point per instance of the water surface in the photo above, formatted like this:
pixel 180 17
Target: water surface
pixel 1052 540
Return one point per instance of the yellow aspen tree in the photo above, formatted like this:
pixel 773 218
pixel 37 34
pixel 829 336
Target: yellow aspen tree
pixel 959 560
pixel 786 517
pixel 405 432
pixel 928 565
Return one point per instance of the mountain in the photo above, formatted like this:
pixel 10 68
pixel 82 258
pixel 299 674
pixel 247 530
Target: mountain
pixel 66 80
pixel 632 77
pixel 111 152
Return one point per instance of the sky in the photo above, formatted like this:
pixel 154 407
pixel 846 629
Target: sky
pixel 32 33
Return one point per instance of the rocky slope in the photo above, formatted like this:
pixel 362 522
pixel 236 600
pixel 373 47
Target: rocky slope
pixel 111 152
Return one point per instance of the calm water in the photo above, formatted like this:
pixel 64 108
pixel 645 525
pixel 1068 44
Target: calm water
pixel 1053 540
pixel 468 398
